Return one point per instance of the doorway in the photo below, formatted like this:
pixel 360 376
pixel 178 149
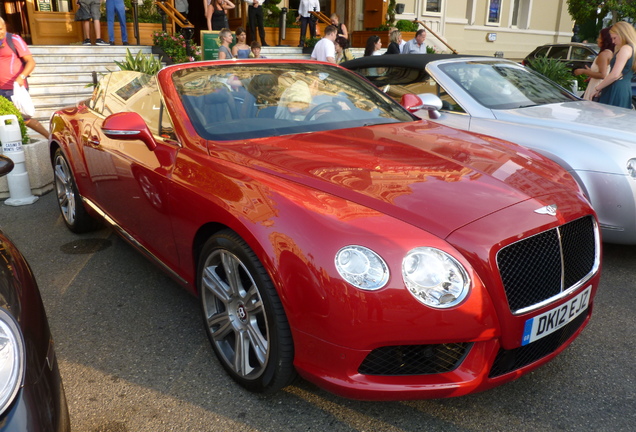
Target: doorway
pixel 14 13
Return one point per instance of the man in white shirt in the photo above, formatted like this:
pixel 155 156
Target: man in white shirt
pixel 304 16
pixel 417 45
pixel 325 49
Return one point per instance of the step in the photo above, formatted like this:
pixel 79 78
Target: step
pixel 81 50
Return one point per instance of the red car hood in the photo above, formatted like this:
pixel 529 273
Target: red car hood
pixel 425 174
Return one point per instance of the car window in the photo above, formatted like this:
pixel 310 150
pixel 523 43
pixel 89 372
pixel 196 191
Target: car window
pixel 541 52
pixel 166 129
pixel 129 91
pixel 498 85
pixel 559 52
pixel 97 100
pixel 397 81
pixel 230 102
pixel 134 92
pixel 582 53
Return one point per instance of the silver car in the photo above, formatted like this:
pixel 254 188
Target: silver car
pixel 596 143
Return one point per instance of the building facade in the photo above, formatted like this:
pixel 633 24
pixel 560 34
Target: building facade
pixel 485 27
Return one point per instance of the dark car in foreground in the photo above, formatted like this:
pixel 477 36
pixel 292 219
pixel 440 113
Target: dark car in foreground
pixel 31 392
pixel 575 55
pixel 328 232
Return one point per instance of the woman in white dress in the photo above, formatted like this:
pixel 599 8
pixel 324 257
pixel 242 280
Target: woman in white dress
pixel 601 66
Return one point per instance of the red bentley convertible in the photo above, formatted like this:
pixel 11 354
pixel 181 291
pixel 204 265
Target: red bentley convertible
pixel 330 233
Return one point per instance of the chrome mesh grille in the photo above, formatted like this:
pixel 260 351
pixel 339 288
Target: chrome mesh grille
pixel 542 266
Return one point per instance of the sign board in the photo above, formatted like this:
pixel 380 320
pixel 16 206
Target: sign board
pixel 210 44
pixel 44 6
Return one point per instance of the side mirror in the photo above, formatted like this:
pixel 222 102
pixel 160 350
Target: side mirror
pixel 6 165
pixel 411 102
pixel 128 126
pixel 425 101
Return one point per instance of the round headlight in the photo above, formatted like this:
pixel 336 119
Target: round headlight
pixel 11 359
pixel 362 267
pixel 434 277
pixel 631 168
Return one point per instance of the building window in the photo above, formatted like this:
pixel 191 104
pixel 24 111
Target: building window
pixel 520 14
pixel 433 6
pixel 494 12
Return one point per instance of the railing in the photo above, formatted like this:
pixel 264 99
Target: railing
pixel 187 29
pixel 428 29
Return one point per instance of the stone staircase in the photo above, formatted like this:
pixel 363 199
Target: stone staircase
pixel 64 73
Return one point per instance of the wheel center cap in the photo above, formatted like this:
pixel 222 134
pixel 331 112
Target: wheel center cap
pixel 241 313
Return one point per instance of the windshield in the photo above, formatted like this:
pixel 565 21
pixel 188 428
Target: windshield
pixel 244 101
pixel 505 86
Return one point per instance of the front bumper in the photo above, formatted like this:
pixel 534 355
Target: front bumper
pixel 613 197
pixel 40 406
pixel 485 365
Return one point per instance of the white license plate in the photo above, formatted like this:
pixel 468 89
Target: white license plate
pixel 552 320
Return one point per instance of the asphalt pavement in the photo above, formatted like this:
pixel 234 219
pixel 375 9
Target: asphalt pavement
pixel 134 356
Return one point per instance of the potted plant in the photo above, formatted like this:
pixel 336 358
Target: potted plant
pixel 172 48
pixel 309 44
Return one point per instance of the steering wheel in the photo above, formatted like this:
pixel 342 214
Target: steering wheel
pixel 326 105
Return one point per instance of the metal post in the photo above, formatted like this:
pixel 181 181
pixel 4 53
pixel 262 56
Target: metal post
pixel 163 20
pixel 135 5
pixel 188 33
pixel 282 26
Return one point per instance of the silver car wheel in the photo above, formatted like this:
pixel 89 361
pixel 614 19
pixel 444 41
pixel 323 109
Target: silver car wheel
pixel 64 187
pixel 69 199
pixel 243 316
pixel 235 314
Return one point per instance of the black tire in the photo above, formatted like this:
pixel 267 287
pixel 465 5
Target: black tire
pixel 244 308
pixel 75 216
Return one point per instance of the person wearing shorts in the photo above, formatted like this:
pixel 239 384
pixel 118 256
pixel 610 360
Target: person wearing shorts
pixel 16 67
pixel 94 6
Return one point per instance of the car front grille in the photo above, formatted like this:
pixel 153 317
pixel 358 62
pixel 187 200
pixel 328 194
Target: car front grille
pixel 540 267
pixel 511 360
pixel 414 359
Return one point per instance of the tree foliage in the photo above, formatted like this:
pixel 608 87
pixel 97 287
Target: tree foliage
pixel 584 10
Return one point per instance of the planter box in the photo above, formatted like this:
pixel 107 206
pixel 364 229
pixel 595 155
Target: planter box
pixel 292 35
pixel 145 32
pixel 38 165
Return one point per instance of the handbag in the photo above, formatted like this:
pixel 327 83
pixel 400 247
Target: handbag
pixel 83 13
pixel 22 100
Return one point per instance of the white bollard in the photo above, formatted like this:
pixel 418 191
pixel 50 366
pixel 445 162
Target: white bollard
pixel 18 178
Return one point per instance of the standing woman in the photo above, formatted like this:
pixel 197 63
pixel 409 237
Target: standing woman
pixel 341 28
pixel 600 68
pixel 215 14
pixel 373 46
pixel 343 53
pixel 395 37
pixel 241 49
pixel 225 37
pixel 616 87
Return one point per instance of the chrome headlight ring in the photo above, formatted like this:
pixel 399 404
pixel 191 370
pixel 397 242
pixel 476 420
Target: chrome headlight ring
pixel 435 278
pixel 12 359
pixel 362 267
pixel 631 168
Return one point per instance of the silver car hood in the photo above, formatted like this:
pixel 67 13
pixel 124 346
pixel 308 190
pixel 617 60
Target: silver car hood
pixel 581 117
